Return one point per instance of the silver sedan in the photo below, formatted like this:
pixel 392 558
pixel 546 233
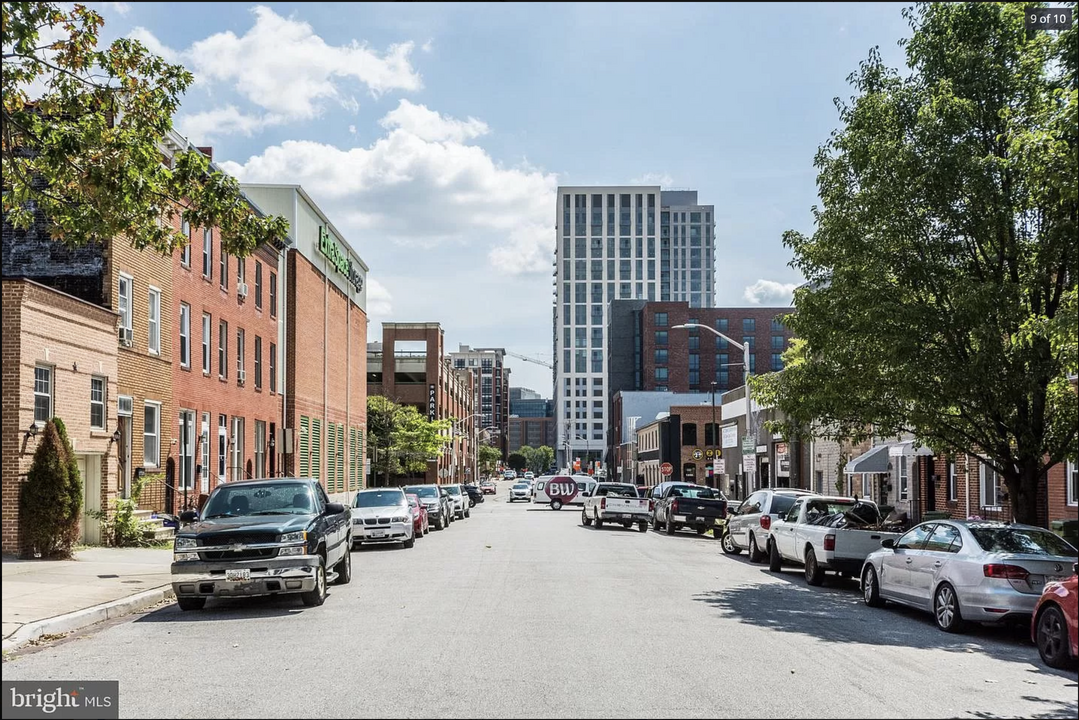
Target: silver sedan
pixel 967 570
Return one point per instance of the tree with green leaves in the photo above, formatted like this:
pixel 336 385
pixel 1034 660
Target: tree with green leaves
pixel 81 134
pixel 488 457
pixel 401 439
pixel 517 461
pixel 941 293
pixel 50 501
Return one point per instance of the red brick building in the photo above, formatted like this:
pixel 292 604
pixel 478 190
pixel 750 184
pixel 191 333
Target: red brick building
pixel 226 387
pixel 59 360
pixel 427 380
pixel 323 283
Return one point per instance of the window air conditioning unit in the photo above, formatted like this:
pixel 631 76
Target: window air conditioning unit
pixel 125 336
pixel 241 290
pixel 242 376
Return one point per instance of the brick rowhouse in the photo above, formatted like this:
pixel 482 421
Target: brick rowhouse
pixel 323 283
pixel 227 356
pixel 59 360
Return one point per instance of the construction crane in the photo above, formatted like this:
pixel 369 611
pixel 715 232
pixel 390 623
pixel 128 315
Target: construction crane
pixel 519 356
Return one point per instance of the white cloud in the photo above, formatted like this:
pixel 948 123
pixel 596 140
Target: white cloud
pixel 121 8
pixel 352 129
pixel 203 126
pixel 661 179
pixel 431 125
pixel 379 299
pixel 421 187
pixel 282 66
pixel 428 46
pixel 770 292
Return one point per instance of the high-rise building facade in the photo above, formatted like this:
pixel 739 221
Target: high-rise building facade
pixel 626 242
pixel 492 382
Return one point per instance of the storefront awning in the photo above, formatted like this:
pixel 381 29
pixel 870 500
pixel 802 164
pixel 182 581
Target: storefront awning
pixel 908 448
pixel 874 460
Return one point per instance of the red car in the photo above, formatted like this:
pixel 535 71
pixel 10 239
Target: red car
pixel 1053 626
pixel 488 488
pixel 419 516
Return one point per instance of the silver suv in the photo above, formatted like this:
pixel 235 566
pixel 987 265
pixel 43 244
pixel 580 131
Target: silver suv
pixel 460 500
pixel 437 505
pixel 750 525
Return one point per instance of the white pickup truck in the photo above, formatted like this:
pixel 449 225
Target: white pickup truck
pixel 615 503
pixel 823 532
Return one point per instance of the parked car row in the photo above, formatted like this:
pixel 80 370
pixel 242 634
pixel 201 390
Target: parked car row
pixel 283 535
pixel 960 571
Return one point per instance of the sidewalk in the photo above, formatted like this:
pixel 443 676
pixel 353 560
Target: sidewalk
pixel 53 597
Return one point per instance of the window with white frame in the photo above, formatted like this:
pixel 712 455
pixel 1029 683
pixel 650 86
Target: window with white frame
pixel 204 452
pixel 992 489
pixel 97 402
pixel 207 337
pixel 953 482
pixel 222 446
pixel 867 486
pixel 151 434
pixel 258 285
pixel 236 447
pixel 185 253
pixel 185 335
pixel 273 368
pixel 207 253
pixel 222 349
pixel 1072 479
pixel 241 270
pixel 123 300
pixel 240 355
pixel 904 479
pixel 154 332
pixel 224 270
pixel 42 394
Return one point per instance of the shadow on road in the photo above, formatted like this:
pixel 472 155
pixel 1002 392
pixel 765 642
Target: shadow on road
pixel 836 613
pixel 240 608
pixel 1054 709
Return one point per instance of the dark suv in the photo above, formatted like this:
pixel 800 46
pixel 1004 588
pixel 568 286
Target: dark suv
pixel 262 537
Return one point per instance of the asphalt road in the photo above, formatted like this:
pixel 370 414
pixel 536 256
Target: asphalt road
pixel 521 611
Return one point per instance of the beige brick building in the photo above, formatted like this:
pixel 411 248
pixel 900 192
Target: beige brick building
pixel 59 360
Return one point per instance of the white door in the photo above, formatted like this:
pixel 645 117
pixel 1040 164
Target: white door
pixel 90 470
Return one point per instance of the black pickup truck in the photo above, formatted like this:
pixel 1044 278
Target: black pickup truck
pixel 262 537
pixel 676 505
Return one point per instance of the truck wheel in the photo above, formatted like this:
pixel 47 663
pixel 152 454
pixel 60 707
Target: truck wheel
pixel 701 529
pixel 755 554
pixel 669 526
pixel 655 523
pixel 556 504
pixel 871 588
pixel 727 543
pixel 191 603
pixel 585 520
pixel 344 569
pixel 814 573
pixel 775 561
pixel 599 522
pixel 627 524
pixel 314 598
pixel 642 526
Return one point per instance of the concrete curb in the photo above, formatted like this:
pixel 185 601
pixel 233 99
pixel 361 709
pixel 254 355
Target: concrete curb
pixel 88 616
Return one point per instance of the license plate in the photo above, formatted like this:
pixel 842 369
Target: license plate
pixel 379 533
pixel 238 575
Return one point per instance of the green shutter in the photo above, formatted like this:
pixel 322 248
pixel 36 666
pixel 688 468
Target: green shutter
pixel 316 448
pixel 331 457
pixel 305 446
pixel 351 459
pixel 340 457
pixel 359 457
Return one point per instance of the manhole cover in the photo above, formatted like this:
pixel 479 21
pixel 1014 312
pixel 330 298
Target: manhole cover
pixel 108 577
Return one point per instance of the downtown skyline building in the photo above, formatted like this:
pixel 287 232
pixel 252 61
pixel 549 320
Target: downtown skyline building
pixel 617 243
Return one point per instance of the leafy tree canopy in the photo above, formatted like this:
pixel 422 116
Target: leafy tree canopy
pixel 941 293
pixel 83 129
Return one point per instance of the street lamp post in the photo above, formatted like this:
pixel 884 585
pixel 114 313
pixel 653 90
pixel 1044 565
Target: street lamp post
pixel 751 409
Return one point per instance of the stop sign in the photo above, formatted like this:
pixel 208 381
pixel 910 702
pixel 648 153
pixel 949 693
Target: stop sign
pixel 564 489
pixel 666 469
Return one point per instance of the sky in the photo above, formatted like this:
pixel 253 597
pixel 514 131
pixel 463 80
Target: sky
pixel 434 136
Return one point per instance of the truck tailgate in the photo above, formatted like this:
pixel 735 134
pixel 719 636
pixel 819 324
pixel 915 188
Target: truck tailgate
pixel 618 505
pixel 700 508
pixel 854 544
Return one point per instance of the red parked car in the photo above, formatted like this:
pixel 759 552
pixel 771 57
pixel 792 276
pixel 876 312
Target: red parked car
pixel 1053 626
pixel 419 516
